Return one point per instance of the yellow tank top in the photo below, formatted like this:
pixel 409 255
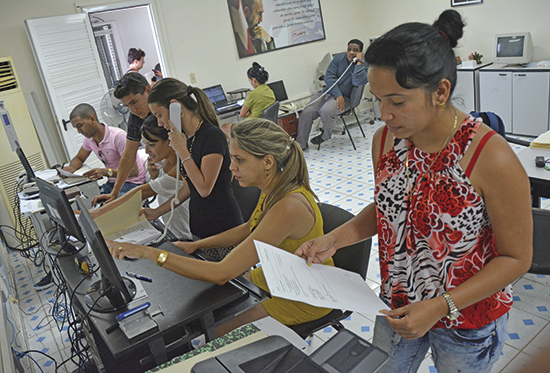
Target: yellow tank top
pixel 286 311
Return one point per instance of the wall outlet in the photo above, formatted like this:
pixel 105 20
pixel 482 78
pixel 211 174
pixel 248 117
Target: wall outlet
pixel 193 78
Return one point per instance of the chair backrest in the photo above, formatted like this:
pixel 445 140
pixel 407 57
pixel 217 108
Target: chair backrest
pixel 271 112
pixel 356 96
pixel 353 258
pixel 247 198
pixel 541 242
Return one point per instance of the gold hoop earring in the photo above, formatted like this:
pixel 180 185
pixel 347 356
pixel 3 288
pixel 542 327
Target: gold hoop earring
pixel 442 105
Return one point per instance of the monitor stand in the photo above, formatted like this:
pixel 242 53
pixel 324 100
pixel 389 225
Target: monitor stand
pixel 97 300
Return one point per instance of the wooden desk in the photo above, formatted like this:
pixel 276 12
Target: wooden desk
pixel 190 308
pixel 289 122
pixel 538 176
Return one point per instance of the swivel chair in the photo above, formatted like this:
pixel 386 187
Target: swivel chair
pixel 352 258
pixel 247 198
pixel 271 112
pixel 541 242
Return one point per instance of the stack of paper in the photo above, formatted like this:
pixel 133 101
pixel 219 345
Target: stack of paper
pixel 542 142
pixel 124 224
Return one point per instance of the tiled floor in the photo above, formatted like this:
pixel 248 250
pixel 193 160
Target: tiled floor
pixel 343 177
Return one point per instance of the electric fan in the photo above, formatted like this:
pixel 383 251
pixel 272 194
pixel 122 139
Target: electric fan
pixel 114 113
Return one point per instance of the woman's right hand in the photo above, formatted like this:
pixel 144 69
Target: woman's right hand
pixel 188 247
pixel 317 250
pixel 152 168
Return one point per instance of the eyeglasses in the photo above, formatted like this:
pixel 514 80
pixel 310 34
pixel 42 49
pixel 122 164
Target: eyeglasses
pixel 126 79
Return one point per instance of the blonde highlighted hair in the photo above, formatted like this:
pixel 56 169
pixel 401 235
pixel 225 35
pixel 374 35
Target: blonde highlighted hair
pixel 261 137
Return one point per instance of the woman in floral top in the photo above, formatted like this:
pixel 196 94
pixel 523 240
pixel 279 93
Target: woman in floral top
pixel 452 210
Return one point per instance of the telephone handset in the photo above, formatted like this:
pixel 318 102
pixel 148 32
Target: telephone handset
pixel 175 115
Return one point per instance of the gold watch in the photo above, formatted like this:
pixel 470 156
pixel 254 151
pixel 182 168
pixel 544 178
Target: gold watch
pixel 162 258
pixel 110 172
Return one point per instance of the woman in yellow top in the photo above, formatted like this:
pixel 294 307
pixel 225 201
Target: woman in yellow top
pixel 286 216
pixel 257 100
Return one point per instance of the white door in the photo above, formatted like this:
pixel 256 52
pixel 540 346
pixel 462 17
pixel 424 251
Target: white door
pixel 68 61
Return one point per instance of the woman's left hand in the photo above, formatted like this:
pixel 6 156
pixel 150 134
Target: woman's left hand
pixel 178 142
pixel 119 250
pixel 150 214
pixel 414 320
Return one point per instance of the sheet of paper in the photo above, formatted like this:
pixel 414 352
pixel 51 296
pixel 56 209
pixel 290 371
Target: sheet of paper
pixel 121 217
pixel 142 233
pixel 30 206
pixel 288 276
pixel 270 326
pixel 77 173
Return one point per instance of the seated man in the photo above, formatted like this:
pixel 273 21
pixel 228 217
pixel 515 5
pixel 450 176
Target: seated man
pixel 337 98
pixel 108 144
pixel 132 90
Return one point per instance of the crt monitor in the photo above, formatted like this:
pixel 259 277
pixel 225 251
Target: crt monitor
pixel 112 292
pixel 513 48
pixel 25 162
pixel 279 90
pixel 59 210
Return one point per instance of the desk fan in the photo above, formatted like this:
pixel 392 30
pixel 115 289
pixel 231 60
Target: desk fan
pixel 114 113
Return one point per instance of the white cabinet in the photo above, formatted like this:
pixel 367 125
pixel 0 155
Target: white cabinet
pixel 519 95
pixel 466 93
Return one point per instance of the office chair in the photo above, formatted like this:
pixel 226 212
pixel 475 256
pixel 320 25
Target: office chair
pixel 271 112
pixel 353 258
pixel 541 242
pixel 247 198
pixel 355 100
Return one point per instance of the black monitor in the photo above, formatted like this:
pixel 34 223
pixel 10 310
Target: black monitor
pixel 112 292
pixel 278 88
pixel 25 162
pixel 59 210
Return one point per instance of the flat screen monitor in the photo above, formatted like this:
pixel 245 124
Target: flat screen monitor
pixel 59 210
pixel 513 48
pixel 215 94
pixel 112 292
pixel 25 162
pixel 279 90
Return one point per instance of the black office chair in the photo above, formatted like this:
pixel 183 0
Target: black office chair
pixel 271 112
pixel 355 100
pixel 247 198
pixel 541 242
pixel 352 258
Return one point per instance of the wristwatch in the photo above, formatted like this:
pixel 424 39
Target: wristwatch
pixel 162 258
pixel 453 311
pixel 110 172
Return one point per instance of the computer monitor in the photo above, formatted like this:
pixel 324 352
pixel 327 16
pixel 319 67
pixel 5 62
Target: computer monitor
pixel 513 48
pixel 25 162
pixel 112 292
pixel 278 88
pixel 215 94
pixel 59 210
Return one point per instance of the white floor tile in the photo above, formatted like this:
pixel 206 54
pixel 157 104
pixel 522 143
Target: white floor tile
pixel 523 327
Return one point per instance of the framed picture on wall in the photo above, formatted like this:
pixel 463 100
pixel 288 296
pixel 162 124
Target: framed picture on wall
pixel 261 26
pixel 465 2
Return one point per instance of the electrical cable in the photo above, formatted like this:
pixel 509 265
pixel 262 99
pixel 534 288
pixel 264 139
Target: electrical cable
pixel 6 306
pixel 21 355
pixel 332 86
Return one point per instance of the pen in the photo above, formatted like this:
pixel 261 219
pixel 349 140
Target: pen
pixel 139 277
pixel 133 311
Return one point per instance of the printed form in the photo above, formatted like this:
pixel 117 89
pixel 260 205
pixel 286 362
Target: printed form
pixel 288 276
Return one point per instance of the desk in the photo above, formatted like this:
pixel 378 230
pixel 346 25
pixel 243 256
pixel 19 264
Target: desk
pixel 189 308
pixel 538 176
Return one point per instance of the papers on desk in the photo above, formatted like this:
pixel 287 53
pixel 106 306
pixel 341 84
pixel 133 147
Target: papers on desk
pixel 288 276
pixel 124 224
pixel 542 142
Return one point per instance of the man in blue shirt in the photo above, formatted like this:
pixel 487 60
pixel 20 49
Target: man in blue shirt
pixel 333 100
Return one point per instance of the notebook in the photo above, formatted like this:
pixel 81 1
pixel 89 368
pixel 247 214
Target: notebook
pixel 219 99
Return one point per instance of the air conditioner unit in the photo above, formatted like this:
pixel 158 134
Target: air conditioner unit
pixel 10 167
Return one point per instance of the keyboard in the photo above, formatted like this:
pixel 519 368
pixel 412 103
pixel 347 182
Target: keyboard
pixel 228 108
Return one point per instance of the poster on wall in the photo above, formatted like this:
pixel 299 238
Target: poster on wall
pixel 264 25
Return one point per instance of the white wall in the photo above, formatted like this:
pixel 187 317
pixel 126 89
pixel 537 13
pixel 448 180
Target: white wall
pixel 197 37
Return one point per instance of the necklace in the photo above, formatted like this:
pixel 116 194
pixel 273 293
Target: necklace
pixel 411 191
pixel 193 137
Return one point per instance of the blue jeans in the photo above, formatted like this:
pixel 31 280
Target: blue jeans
pixel 108 187
pixel 453 350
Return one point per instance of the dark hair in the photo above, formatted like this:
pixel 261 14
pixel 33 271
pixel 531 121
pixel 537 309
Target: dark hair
pixel 151 128
pixel 358 42
pixel 131 83
pixel 135 54
pixel 169 88
pixel 258 72
pixel 84 111
pixel 421 55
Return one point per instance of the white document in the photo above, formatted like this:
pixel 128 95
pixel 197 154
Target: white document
pixel 77 173
pixel 142 233
pixel 270 326
pixel 288 276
